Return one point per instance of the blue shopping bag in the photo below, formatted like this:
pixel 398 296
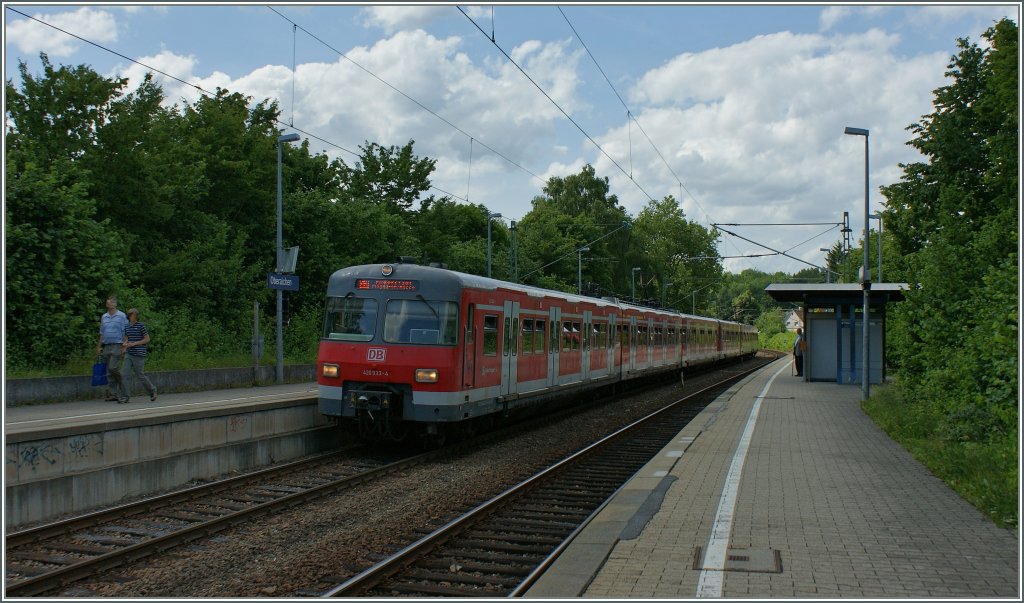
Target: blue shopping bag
pixel 99 373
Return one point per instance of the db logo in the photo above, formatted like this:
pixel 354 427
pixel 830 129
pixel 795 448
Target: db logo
pixel 376 354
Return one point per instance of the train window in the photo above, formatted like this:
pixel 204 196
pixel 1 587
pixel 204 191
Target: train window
pixel 508 333
pixel 350 318
pixel 528 335
pixel 538 335
pixel 421 321
pixel 515 336
pixel 576 334
pixel 490 335
pixel 566 336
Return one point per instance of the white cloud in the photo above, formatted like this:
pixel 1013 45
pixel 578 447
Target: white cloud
pixel 755 131
pixel 397 18
pixel 32 37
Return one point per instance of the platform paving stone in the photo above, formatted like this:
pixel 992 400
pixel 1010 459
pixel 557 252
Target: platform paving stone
pixel 852 513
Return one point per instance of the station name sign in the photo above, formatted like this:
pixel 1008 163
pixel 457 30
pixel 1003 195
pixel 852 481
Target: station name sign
pixel 285 282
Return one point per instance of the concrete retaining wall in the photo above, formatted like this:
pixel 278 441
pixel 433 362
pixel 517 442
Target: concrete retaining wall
pixel 64 389
pixel 79 472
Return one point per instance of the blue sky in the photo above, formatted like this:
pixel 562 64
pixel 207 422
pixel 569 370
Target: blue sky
pixel 745 105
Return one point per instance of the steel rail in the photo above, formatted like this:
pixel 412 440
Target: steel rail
pixel 373 576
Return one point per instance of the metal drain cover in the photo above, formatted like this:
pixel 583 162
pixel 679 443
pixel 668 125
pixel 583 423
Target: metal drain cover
pixel 744 560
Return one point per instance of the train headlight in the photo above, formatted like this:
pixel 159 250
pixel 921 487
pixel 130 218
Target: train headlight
pixel 426 375
pixel 331 371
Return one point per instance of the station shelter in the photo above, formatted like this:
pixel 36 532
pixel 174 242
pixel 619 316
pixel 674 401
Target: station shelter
pixel 833 327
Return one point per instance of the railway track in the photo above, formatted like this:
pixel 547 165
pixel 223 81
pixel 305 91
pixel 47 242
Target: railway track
pixel 47 557
pixel 501 546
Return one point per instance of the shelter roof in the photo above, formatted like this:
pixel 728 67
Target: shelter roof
pixel 812 293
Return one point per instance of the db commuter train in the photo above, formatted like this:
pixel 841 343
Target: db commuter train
pixel 425 352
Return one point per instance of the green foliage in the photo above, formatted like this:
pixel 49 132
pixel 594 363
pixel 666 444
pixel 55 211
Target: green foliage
pixel 60 264
pixel 782 342
pixel 769 324
pixel 953 224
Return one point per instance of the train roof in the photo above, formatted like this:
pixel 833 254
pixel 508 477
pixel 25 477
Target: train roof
pixel 340 281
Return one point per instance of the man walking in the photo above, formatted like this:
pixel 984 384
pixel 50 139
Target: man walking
pixel 110 346
pixel 135 358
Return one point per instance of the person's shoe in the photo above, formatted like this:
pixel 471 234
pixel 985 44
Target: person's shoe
pixel 112 399
pixel 152 396
pixel 123 401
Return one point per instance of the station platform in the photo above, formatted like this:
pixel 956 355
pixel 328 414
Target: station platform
pixel 72 457
pixel 39 421
pixel 783 488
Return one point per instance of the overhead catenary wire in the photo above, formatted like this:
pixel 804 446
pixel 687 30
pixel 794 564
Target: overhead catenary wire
pixel 408 97
pixel 557 106
pixel 281 123
pixel 630 118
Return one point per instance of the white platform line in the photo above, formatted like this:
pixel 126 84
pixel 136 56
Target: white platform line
pixel 709 584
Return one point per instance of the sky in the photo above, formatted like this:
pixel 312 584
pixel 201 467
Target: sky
pixel 737 111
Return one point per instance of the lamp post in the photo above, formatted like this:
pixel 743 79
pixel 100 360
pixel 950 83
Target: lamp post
pixel 663 289
pixel 579 270
pixel 279 373
pixel 828 273
pixel 866 278
pixel 490 217
pixel 878 217
pixel 632 282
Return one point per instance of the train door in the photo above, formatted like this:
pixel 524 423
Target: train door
pixel 586 341
pixel 510 351
pixel 469 349
pixel 554 344
pixel 613 338
pixel 632 343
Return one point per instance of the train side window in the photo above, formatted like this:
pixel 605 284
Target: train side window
pixel 490 335
pixel 508 335
pixel 528 335
pixel 576 335
pixel 469 324
pixel 539 329
pixel 514 336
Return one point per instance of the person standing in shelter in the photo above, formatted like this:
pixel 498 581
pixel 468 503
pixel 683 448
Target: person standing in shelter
pixel 135 358
pixel 799 347
pixel 110 346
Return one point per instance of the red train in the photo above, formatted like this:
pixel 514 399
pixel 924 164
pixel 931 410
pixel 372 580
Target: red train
pixel 410 350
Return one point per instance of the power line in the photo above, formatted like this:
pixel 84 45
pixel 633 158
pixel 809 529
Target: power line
pixel 557 106
pixel 411 99
pixel 631 118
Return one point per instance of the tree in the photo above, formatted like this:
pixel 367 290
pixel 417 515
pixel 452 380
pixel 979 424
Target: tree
pixel 574 212
pixel 390 176
pixel 953 221
pixel 676 250
pixel 61 263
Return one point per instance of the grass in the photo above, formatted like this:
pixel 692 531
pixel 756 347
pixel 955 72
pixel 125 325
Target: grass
pixel 983 473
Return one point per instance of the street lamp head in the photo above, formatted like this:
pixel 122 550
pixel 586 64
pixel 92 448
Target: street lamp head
pixel 855 131
pixel 288 137
pixel 491 216
pixel 636 268
pixel 582 249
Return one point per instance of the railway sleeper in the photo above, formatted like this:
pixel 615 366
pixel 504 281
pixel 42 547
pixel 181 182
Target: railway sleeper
pixel 493 557
pixel 516 536
pixel 516 569
pixel 531 523
pixel 549 516
pixel 498 545
pixel 431 589
pixel 462 578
